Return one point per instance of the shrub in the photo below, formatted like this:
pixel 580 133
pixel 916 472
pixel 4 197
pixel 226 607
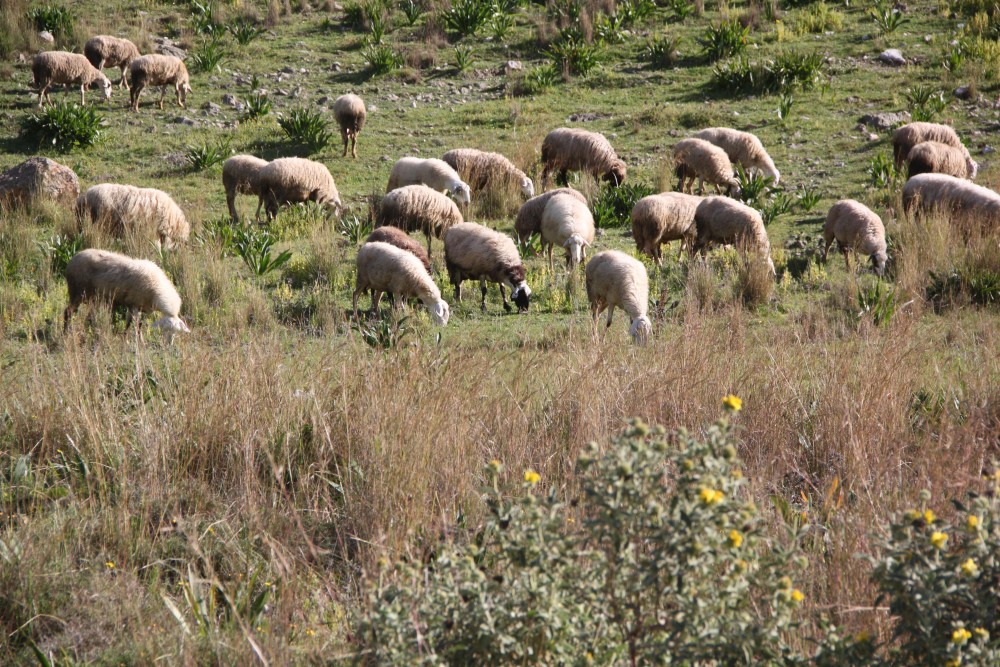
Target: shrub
pixel 204 21
pixel 819 18
pixel 354 229
pixel 877 301
pixel 500 25
pixel 57 20
pixel 661 52
pixel 728 38
pixel 538 79
pixel 256 106
pixel 306 128
pixel 382 59
pixel 680 9
pixel 613 206
pixel 60 249
pixel 253 245
pixel 412 9
pixel 208 57
pixel 786 71
pixel 887 18
pixel 785 104
pixel 926 104
pixel 64 126
pixel 467 17
pixel 753 185
pixel 777 205
pixel 882 171
pixel 574 56
pixel 463 58
pixel 205 156
pixel 808 198
pixel 631 12
pixel 244 31
pixel 384 333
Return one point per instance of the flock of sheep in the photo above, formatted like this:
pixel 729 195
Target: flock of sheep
pixel 429 195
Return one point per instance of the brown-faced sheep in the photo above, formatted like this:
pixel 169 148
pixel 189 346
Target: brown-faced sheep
pixel 107 51
pixel 474 252
pixel 158 70
pixel 418 208
pixel 52 67
pixel 571 149
pixel 662 218
pixel 296 180
pixel 615 279
pixel 350 112
pixel 855 227
pixel 124 209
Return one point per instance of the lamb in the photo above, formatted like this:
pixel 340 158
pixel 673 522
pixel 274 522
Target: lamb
pixel 386 268
pixel 661 218
pixel 908 136
pixel 699 158
pixel 933 157
pixel 159 70
pixel 434 173
pixel 126 208
pixel 570 149
pixel 136 284
pixel 616 279
pixel 107 51
pixel 295 180
pixel 52 67
pixel 474 252
pixel 567 222
pixel 403 241
pixel 725 220
pixel 418 208
pixel 743 148
pixel 529 216
pixel 350 112
pixel 961 200
pixel 241 175
pixel 857 227
pixel 483 170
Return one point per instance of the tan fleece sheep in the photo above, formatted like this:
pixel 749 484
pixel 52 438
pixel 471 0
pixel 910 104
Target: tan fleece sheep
pixel 529 216
pixel 127 209
pixel 567 223
pixel 488 171
pixel 159 70
pixel 51 67
pixel 724 220
pixel 350 112
pixel 386 268
pixel 136 284
pixel 418 208
pixel 107 51
pixel 855 227
pixel 933 157
pixel 568 149
pixel 615 279
pixel 296 180
pixel 662 218
pixel 964 202
pixel 908 136
pixel 435 174
pixel 697 158
pixel 474 252
pixel 241 175
pixel 403 241
pixel 743 148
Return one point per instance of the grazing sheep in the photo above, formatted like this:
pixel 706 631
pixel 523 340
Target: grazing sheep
pixel 51 67
pixel 386 268
pixel 136 284
pixel 933 157
pixel 486 171
pixel 697 158
pixel 403 241
pixel 126 208
pixel 473 252
pixel 570 149
pixel 616 279
pixel 567 222
pixel 857 227
pixel 107 51
pixel 296 180
pixel 662 218
pixel 743 148
pixel 962 201
pixel 725 220
pixel 159 70
pixel 434 173
pixel 908 136
pixel 529 216
pixel 350 112
pixel 418 208
pixel 241 175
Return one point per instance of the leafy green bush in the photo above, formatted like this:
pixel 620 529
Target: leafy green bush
pixel 306 128
pixel 631 12
pixel 244 31
pixel 887 18
pixel 204 156
pixel 573 55
pixel 538 79
pixel 728 38
pixel 878 301
pixel 204 21
pixel 60 249
pixel 64 126
pixel 467 17
pixel 463 58
pixel 777 205
pixel 382 59
pixel 819 18
pixel 809 198
pixel 680 9
pixel 786 71
pixel 253 245
pixel 926 104
pixel 500 25
pixel 412 9
pixel 661 51
pixel 753 185
pixel 208 57
pixel 383 333
pixel 256 106
pixel 613 206
pixel 882 171
pixel 354 229
pixel 981 285
pixel 57 20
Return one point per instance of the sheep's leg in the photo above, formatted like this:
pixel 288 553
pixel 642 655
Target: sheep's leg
pixel 552 266
pixel 123 83
pixel 376 300
pixel 596 308
pixel 42 94
pixel 826 249
pixel 847 256
pixel 354 302
pixel 563 177
pixel 163 93
pixel 503 295
pixel 68 313
pixel 180 97
pixel 343 136
pixel 482 287
pixel 701 185
pixel 611 311
pixel 428 246
pixel 458 290
pixel 354 146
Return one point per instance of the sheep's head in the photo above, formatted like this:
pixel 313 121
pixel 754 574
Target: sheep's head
pixel 462 193
pixel 878 262
pixel 439 312
pixel 521 296
pixel 527 188
pixel 106 86
pixel 771 172
pixel 171 326
pixel 616 175
pixel 972 167
pixel 335 206
pixel 641 330
pixel 575 245
pixel 733 188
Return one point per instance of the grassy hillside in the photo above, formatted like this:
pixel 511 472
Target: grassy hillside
pixel 277 454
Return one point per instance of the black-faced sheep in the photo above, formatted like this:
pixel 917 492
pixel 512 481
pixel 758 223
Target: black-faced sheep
pixel 662 218
pixel 435 174
pixel 529 216
pixel 296 180
pixel 158 70
pixel 697 158
pixel 567 223
pixel 52 67
pixel 107 51
pixel 488 171
pixel 743 148
pixel 350 112
pixel 474 252
pixel 241 175
pixel 126 209
pixel 933 157
pixel 386 268
pixel 571 149
pixel 855 227
pixel 418 208
pixel 615 279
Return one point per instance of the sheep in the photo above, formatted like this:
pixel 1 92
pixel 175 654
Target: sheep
pixel 661 218
pixel 63 67
pixel 961 200
pixel 473 252
pixel 699 158
pixel 908 136
pixel 386 268
pixel 529 216
pixel 857 227
pixel 295 180
pixel 402 240
pixel 483 170
pixel 616 279
pixel 241 175
pixel 743 148
pixel 434 173
pixel 725 220
pixel 418 208
pixel 136 284
pixel 107 51
pixel 567 222
pixel 933 157
pixel 571 149
pixel 350 112
pixel 159 70
pixel 124 208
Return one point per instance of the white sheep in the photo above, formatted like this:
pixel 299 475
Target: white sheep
pixel 296 180
pixel 697 158
pixel 529 216
pixel 350 112
pixel 568 149
pixel 933 157
pixel 136 284
pixel 724 220
pixel 126 209
pixel 743 148
pixel 662 218
pixel 483 170
pixel 906 137
pixel 386 268
pixel 241 175
pixel 159 70
pixel 435 174
pixel 107 51
pixel 615 279
pixel 567 222
pixel 51 67
pixel 418 208
pixel 962 201
pixel 474 252
pixel 855 227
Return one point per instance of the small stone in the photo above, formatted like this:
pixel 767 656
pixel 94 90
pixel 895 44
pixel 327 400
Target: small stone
pixel 384 158
pixel 211 108
pixel 183 120
pixel 963 92
pixel 372 108
pixel 893 57
pixel 287 70
pixel 229 99
pixel 46 36
pixel 873 137
pixel 335 67
pixel 282 92
pixel 885 120
pixel 988 149
pixel 512 66
pixel 413 104
pixel 323 100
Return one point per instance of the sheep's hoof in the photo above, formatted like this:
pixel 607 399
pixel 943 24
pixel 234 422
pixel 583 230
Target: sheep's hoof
pixel 506 307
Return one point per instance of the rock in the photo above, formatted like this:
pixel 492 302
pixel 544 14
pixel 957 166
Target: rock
pixel 512 66
pixel 171 50
pixel 372 108
pixel 230 100
pixel 211 108
pixel 587 117
pixel 988 149
pixel 323 100
pixel 384 158
pixel 335 67
pixel 885 120
pixel 873 137
pixel 282 92
pixel 287 70
pixel 183 120
pixel 39 178
pixel 46 36
pixel 963 92
pixel 893 57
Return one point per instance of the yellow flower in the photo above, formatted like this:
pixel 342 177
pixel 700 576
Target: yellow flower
pixel 732 403
pixel 310 632
pixel 531 477
pixel 798 596
pixel 494 463
pixel 972 522
pixel 981 633
pixel 954 663
pixel 735 539
pixel 970 568
pixel 710 496
pixel 110 565
pixel 929 516
pixel 912 515
pixel 960 636
pixel 938 539
pixel 862 636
